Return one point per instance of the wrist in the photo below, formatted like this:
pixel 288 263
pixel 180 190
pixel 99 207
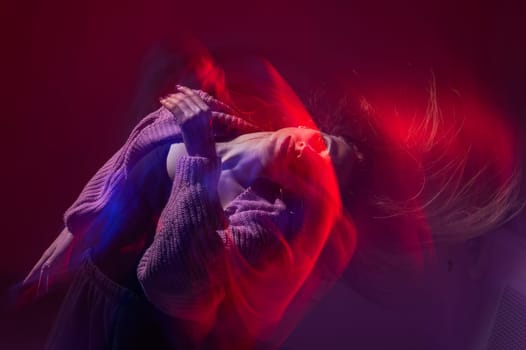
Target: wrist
pixel 200 145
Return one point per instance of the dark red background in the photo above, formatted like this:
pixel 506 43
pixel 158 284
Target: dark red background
pixel 75 80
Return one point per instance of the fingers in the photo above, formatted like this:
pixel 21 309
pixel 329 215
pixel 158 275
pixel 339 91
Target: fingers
pixel 52 259
pixel 193 97
pixel 43 259
pixel 43 269
pixel 177 104
pixel 170 102
pixel 43 279
pixel 186 100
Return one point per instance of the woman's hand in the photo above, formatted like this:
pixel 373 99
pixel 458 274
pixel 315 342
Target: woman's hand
pixel 193 116
pixel 53 262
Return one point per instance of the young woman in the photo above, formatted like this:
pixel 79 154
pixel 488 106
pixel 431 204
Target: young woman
pixel 218 236
pixel 206 230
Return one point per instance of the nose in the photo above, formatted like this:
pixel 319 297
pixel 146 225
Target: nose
pixel 299 146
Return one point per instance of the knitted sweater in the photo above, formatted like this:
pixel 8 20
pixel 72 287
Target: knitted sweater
pixel 183 272
pixel 156 129
pixel 201 255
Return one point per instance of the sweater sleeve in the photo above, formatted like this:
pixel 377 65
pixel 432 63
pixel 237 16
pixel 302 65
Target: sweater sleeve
pixel 181 271
pixel 199 248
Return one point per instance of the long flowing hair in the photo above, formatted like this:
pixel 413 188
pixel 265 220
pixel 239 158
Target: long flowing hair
pixel 443 175
pixel 447 179
pixel 455 168
pixel 420 181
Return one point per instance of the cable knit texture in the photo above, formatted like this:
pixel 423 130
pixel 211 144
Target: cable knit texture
pixel 157 128
pixel 182 272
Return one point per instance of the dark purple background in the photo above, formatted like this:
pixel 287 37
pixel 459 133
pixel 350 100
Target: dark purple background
pixel 75 81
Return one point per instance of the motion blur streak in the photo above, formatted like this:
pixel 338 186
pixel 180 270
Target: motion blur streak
pixel 268 299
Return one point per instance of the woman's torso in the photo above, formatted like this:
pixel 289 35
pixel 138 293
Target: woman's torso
pixel 148 188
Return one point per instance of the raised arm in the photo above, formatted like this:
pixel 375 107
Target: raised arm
pixel 202 256
pixel 184 271
pixel 180 271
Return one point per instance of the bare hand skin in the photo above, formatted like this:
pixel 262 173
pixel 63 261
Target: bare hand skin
pixel 193 116
pixel 52 262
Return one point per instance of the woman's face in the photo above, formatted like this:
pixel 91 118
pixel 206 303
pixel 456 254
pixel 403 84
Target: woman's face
pixel 288 153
